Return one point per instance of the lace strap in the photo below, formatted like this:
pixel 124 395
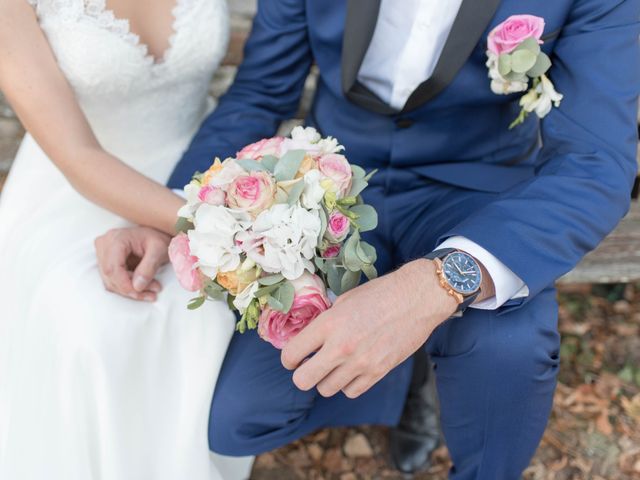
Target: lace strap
pixel 67 8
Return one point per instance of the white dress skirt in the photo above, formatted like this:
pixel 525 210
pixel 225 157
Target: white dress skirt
pixel 94 385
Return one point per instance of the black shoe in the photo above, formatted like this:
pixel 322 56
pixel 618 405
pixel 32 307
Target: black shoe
pixel 418 433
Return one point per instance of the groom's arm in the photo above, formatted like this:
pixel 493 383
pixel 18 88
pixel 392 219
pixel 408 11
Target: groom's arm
pixel 542 228
pixel 266 90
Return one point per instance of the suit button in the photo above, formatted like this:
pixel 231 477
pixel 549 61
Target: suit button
pixel 404 122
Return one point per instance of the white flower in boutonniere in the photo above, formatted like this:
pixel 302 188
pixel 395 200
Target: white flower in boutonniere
pixel 515 60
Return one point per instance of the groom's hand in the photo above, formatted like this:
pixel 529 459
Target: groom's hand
pixel 369 331
pixel 128 260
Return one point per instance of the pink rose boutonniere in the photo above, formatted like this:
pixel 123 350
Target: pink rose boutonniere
pixel 515 61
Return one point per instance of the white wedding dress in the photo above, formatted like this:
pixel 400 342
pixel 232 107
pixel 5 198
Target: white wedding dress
pixel 93 385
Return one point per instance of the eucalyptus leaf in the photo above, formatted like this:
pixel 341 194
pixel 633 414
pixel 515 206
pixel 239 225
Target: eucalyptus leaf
pixel 523 60
pixel 295 192
pixel 334 277
pixel 370 174
pixel 367 217
pixel 269 162
pixel 350 256
pixel 285 295
pixel 543 63
pixel 530 44
pixel 261 292
pixel 504 64
pixel 362 254
pixel 214 293
pixel 369 251
pixel 350 280
pixel 275 304
pixel 370 271
pixel 288 165
pixel 319 263
pixel 517 77
pixel 357 171
pixel 357 186
pixel 251 165
pixel 271 279
pixel 323 223
pixel 183 225
pixel 196 303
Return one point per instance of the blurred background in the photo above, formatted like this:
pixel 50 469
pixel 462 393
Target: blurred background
pixel 594 431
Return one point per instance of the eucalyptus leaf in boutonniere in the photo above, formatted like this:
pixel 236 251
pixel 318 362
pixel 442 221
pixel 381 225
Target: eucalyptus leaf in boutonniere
pixel 517 64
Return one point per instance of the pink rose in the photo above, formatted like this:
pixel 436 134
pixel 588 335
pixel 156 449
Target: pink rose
pixel 336 168
pixel 331 251
pixel 212 195
pixel 310 301
pixel 184 263
pixel 513 31
pixel 252 193
pixel 266 146
pixel 337 227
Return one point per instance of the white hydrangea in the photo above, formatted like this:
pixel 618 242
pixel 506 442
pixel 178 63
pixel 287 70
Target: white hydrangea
pixel 309 140
pixel 193 201
pixel 213 238
pixel 283 240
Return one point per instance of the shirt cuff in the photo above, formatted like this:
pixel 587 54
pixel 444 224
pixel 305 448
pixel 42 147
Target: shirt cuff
pixel 507 284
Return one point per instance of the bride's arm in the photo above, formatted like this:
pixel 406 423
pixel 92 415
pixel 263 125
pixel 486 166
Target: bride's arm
pixel 43 100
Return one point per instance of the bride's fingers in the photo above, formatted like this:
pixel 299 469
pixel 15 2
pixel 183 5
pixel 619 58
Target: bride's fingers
pixel 153 258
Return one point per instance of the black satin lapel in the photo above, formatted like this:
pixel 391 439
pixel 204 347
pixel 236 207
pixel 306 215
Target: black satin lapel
pixel 360 24
pixel 472 20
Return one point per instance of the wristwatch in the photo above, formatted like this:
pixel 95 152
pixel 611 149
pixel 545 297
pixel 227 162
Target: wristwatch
pixel 459 274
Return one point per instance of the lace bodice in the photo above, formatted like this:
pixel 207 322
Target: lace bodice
pixel 134 103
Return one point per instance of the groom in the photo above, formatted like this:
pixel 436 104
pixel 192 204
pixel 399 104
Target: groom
pixel 404 86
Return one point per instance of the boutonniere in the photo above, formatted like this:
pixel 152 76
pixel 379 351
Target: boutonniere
pixel 516 64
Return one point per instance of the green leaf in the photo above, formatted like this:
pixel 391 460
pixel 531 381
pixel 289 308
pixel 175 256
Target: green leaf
pixel 530 44
pixel 504 64
pixel 523 60
pixel 214 291
pixel 295 192
pixel 370 174
pixel 349 254
pixel 275 303
pixel 362 254
pixel 183 225
pixel 261 292
pixel 269 162
pixel 271 279
pixel 334 277
pixel 543 63
pixel 517 77
pixel 347 201
pixel 357 186
pixel 288 165
pixel 251 165
pixel 357 171
pixel 350 280
pixel 230 299
pixel 196 302
pixel 241 325
pixel 367 217
pixel 320 263
pixel 370 271
pixel 284 296
pixel 323 223
pixel 369 251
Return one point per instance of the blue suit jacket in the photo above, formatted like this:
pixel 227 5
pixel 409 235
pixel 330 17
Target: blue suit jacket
pixel 554 202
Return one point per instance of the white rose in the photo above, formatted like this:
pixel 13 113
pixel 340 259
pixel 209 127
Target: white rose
pixel 309 140
pixel 229 172
pixel 283 240
pixel 213 238
pixel 313 192
pixel 191 193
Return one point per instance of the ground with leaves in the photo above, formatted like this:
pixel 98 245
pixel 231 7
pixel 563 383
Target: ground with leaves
pixel 594 430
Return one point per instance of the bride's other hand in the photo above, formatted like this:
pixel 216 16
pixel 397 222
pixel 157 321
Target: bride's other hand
pixel 129 259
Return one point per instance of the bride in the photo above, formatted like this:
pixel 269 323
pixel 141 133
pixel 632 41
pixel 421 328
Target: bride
pixel 93 385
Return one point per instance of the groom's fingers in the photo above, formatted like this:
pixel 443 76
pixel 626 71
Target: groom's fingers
pixel 314 370
pixel 309 340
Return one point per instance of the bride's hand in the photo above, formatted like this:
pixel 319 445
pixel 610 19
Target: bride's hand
pixel 128 260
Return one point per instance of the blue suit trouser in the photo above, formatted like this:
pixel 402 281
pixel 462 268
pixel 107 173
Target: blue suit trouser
pixel 495 370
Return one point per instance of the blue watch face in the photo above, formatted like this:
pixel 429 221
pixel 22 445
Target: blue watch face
pixel 462 273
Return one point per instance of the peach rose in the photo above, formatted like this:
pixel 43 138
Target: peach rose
pixel 252 193
pixel 310 301
pixel 236 281
pixel 336 168
pixel 184 264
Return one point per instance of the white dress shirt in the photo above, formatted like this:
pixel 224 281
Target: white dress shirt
pixel 405 47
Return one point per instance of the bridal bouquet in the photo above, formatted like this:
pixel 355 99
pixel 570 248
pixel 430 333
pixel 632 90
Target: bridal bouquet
pixel 272 229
